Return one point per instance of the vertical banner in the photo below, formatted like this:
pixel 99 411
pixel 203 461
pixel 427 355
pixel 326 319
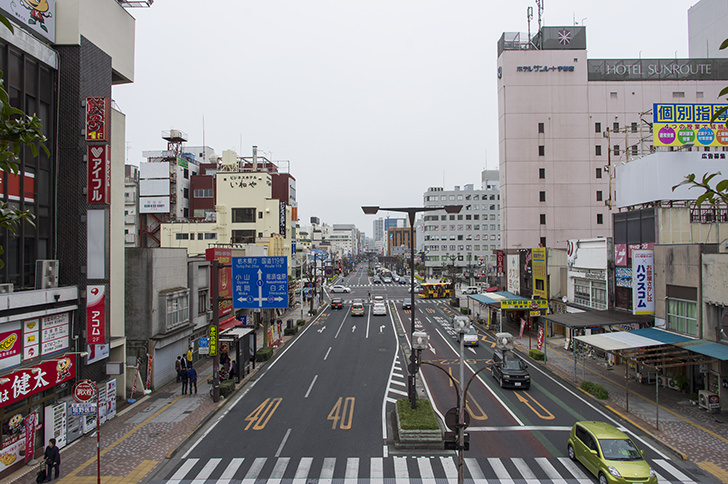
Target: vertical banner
pixel 539 341
pixel 95 315
pixel 500 258
pixel 96 237
pixel 513 279
pixel 99 174
pixel 539 272
pixel 110 399
pixel 224 280
pixel 30 422
pixel 643 291
pixel 282 218
pixel 150 360
pixel 97 119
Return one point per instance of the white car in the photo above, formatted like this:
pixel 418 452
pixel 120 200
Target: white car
pixel 379 309
pixel 471 338
pixel 378 299
pixel 340 288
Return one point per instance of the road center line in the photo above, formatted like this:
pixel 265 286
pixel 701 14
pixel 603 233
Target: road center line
pixel 311 386
pixel 280 447
pixel 327 353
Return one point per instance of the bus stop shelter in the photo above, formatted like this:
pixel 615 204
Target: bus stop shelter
pixel 241 343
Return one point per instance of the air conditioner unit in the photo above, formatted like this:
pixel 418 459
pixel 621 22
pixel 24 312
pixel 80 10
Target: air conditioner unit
pixel 8 287
pixel 661 380
pixel 46 274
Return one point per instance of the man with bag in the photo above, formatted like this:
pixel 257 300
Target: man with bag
pixel 52 458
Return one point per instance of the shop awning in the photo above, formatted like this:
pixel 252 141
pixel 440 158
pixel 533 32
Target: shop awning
pixel 234 333
pixel 619 340
pixel 708 348
pixel 588 319
pixel 496 297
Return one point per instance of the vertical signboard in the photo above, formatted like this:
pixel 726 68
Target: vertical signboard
pixel 97 119
pixel 643 291
pixel 538 264
pixel 95 315
pixel 513 279
pixel 224 279
pixel 282 218
pixel 99 174
pixel 500 262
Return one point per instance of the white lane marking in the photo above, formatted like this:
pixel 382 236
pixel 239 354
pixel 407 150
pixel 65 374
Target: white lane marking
pixel 283 442
pixel 182 471
pixel 327 353
pixel 426 473
pixel 550 470
pixel 674 471
pixel 254 470
pixel 500 470
pixel 315 377
pixel 230 470
pixel 304 466
pixel 206 471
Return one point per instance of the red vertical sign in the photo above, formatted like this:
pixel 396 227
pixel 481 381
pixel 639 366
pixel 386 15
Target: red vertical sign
pixel 500 262
pixel 30 422
pixel 99 174
pixel 225 278
pixel 95 315
pixel 539 341
pixel 97 119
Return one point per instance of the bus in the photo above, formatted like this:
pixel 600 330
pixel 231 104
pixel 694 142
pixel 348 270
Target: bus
pixel 432 290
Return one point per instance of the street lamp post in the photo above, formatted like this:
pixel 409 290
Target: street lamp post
pixel 412 212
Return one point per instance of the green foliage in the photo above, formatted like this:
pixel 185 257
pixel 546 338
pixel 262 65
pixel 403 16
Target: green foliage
pixel 712 194
pixel 227 387
pixel 420 418
pixel 595 389
pixel 682 383
pixel 290 331
pixel 301 322
pixel 264 354
pixel 537 355
pixel 455 302
pixel 465 311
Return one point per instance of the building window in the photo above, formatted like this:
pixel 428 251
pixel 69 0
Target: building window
pixel 177 304
pixel 634 150
pixel 543 241
pixel 243 215
pixel 186 193
pixel 682 316
pixel 600 219
pixel 616 150
pixel 541 128
pixel 186 174
pixel 541 196
pixel 180 236
pixel 203 193
pixel 592 294
pixel 542 173
pixel 634 127
pixel 599 195
pixel 598 150
pixel 597 127
pixel 613 95
pixel 615 127
pixel 200 235
pixel 599 172
pixel 542 219
pixel 243 237
pixel 541 150
pixel 699 95
pixel 678 94
pixel 210 236
pixel 202 302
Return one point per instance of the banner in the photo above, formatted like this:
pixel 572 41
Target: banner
pixel 35 379
pixel 689 124
pixel 539 341
pixel 643 291
pixel 30 422
pixel 99 174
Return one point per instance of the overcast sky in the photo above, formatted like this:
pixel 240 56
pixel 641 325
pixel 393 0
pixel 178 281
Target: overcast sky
pixel 369 103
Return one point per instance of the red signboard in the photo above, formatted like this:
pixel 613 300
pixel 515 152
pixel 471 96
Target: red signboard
pixel 29 381
pixel 97 119
pixel 99 174
pixel 501 269
pixel 83 391
pixel 225 278
pixel 30 423
pixel 15 191
pixel 95 315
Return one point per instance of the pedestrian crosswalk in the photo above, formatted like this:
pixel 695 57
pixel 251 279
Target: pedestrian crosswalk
pixel 394 470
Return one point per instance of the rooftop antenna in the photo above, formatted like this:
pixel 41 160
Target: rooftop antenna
pixel 529 16
pixel 539 4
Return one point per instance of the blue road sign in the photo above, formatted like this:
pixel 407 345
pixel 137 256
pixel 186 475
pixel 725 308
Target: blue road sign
pixel 260 282
pixel 203 342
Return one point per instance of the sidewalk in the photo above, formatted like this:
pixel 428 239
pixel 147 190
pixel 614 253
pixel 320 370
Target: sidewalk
pixel 679 424
pixel 143 434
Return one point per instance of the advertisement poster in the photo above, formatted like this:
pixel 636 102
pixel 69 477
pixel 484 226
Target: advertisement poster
pixel 31 338
pixel 35 379
pixel 10 454
pixel 224 279
pixel 110 399
pixel 30 422
pixel 643 291
pixel 10 344
pixel 513 274
pixel 95 315
pixel 55 333
pixel 539 341
pixel 689 124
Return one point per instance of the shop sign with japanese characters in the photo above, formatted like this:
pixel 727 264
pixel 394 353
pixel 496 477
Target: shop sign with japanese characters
pixel 99 174
pixel 29 381
pixel 55 331
pixel 97 119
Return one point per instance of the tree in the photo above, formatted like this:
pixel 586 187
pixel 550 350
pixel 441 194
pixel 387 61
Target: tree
pixel 17 130
pixel 712 194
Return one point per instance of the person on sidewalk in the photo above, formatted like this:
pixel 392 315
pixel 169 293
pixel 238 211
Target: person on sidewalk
pixel 52 458
pixel 185 379
pixel 192 375
pixel 178 367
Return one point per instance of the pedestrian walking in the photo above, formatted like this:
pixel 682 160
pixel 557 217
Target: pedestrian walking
pixel 185 379
pixel 178 367
pixel 192 376
pixel 52 458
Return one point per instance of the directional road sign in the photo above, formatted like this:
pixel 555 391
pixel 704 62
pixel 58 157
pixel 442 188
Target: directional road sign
pixel 260 282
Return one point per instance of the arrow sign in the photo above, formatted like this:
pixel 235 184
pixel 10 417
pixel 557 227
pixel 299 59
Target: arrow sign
pixel 322 329
pixel 353 328
pixel 260 282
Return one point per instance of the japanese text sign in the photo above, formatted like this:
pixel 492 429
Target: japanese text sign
pixel 689 124
pixel 260 282
pixel 224 278
pixel 99 174
pixel 643 291
pixel 29 381
pixel 95 315
pixel 212 337
pixel 97 119
pixel 527 304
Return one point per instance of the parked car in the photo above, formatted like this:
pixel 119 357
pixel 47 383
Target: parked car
pixel 509 370
pixel 379 309
pixel 340 288
pixel 471 290
pixel 403 280
pixel 471 338
pixel 609 454
pixel 357 308
pixel 337 303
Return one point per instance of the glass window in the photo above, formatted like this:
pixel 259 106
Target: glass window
pixel 682 316
pixel 243 215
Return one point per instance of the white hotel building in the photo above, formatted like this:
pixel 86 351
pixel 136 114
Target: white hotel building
pixel 565 120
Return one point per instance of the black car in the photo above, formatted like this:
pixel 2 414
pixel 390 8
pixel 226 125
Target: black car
pixel 407 304
pixel 337 303
pixel 509 370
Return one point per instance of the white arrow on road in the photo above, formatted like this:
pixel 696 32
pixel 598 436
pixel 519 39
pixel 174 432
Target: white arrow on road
pixel 381 328
pixel 322 329
pixel 353 328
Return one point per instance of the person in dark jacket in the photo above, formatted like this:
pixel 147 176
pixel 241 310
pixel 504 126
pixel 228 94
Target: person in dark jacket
pixel 185 379
pixel 52 458
pixel 192 375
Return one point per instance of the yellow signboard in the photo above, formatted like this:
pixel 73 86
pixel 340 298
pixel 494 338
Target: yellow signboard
pixel 538 263
pixel 525 304
pixel 212 334
pixel 689 124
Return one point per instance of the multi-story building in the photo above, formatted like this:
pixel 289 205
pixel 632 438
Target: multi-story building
pixel 344 240
pixel 63 277
pixel 565 120
pixel 131 206
pixel 466 242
